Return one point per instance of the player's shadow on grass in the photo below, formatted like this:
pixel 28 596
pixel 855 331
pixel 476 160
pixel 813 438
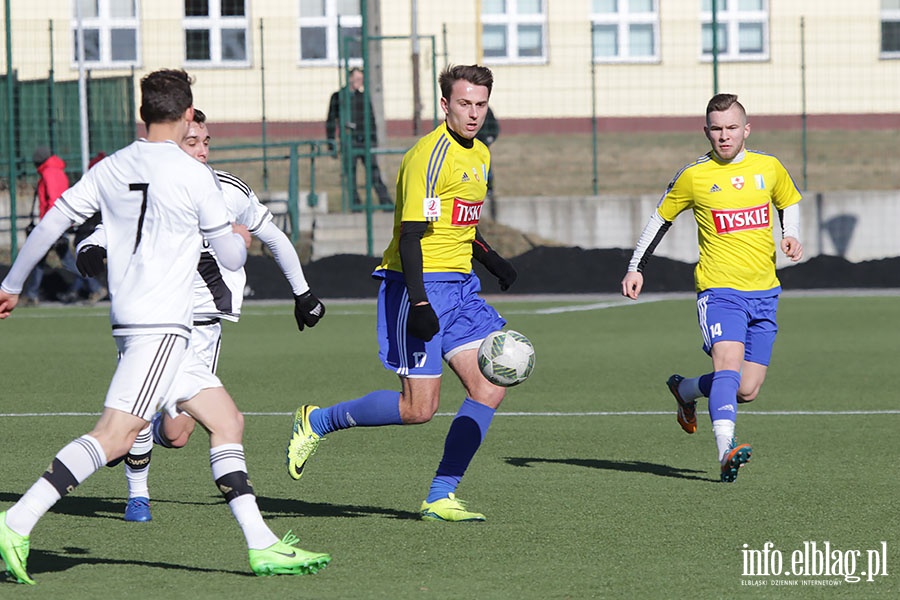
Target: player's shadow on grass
pixel 100 508
pixel 288 507
pixel 51 561
pixel 114 508
pixel 628 466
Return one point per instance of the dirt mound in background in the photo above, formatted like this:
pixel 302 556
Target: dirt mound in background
pixel 544 270
pixel 549 270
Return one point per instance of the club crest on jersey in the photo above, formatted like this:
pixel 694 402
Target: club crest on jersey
pixel 738 182
pixel 475 173
pixel 431 209
pixel 466 213
pixel 741 219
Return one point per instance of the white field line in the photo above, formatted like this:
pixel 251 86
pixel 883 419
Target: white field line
pixel 626 413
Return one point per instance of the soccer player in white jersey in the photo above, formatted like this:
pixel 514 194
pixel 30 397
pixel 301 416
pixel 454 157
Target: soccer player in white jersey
pixel 157 204
pixel 731 191
pixel 218 294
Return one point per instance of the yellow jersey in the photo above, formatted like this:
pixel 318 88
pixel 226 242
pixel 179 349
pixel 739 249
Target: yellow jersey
pixel 732 204
pixel 443 183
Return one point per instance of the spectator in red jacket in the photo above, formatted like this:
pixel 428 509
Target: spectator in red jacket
pixel 52 182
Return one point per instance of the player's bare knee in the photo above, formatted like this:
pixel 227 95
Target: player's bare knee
pixel 415 410
pixel 488 394
pixel 417 415
pixel 180 441
pixel 179 431
pixel 748 396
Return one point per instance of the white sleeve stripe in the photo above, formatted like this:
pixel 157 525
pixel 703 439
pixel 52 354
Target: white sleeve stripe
pixel 790 221
pixel 233 180
pixel 76 216
pixel 216 231
pixel 652 234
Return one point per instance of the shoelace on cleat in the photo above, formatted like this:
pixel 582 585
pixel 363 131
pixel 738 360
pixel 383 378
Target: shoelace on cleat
pixel 290 539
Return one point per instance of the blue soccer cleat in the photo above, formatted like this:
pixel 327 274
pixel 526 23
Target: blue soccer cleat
pixel 138 509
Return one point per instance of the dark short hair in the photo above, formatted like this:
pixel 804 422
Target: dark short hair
pixel 165 95
pixel 722 102
pixel 475 74
pixel 199 116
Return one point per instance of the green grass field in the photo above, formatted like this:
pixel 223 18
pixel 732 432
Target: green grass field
pixel 590 487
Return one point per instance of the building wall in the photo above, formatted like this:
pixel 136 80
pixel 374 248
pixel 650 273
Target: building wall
pixel 854 225
pixel 843 70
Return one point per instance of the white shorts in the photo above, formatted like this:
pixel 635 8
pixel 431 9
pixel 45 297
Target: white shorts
pixel 206 340
pixel 156 372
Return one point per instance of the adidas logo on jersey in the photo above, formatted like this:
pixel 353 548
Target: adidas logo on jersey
pixel 465 177
pixel 715 188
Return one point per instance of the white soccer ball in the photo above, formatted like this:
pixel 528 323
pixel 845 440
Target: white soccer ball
pixel 506 358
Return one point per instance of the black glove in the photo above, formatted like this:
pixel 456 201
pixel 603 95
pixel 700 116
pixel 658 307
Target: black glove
pixel 90 261
pixel 422 322
pixel 500 268
pixel 308 309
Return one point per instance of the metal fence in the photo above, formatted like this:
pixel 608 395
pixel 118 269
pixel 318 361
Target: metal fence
pixel 820 70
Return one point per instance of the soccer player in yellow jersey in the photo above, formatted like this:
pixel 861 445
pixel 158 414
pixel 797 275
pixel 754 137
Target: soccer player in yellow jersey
pixel 732 192
pixel 429 309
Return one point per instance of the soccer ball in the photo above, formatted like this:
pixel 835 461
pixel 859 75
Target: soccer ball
pixel 506 358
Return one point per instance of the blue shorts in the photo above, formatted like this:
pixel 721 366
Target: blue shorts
pixel 465 320
pixel 749 318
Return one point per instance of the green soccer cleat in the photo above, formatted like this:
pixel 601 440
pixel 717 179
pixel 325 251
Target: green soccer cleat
pixel 283 558
pixel 736 458
pixel 304 441
pixel 14 550
pixel 448 509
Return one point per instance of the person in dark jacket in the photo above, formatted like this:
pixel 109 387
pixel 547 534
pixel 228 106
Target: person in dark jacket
pixel 488 134
pixel 355 125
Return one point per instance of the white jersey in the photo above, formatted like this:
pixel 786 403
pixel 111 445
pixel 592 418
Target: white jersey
pixel 156 202
pixel 218 292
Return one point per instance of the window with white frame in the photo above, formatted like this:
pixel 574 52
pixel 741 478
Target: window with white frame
pixel 890 28
pixel 111 32
pixel 216 33
pixel 329 30
pixel 514 31
pixel 625 30
pixel 742 32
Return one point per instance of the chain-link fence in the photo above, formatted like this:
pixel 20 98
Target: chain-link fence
pixel 579 90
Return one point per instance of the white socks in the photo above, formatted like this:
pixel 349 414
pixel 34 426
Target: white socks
pixel 723 429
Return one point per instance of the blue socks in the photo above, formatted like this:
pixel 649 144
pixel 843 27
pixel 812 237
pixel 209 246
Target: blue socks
pixel 705 383
pixel 466 433
pixel 723 395
pixel 381 407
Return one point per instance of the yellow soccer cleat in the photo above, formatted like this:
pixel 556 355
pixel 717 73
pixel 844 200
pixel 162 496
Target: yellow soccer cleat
pixel 448 509
pixel 304 441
